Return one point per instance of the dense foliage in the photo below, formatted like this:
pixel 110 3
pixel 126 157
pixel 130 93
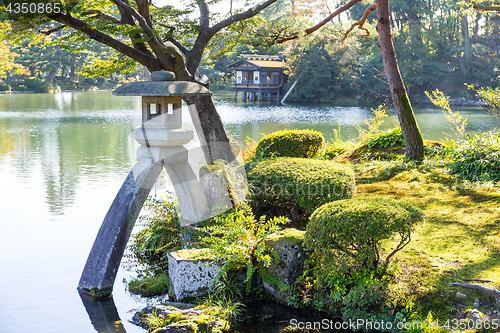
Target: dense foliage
pixel 299 182
pixel 290 143
pixel 477 158
pixel 161 233
pixel 36 85
pixel 236 239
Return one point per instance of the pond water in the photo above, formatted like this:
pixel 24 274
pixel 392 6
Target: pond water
pixel 63 158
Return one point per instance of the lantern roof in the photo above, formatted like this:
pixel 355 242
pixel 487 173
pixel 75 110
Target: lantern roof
pixel 162 84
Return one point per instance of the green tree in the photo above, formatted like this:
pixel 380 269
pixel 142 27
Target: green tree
pixel 7 63
pixel 158 38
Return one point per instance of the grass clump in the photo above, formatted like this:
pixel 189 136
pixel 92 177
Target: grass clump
pixel 286 183
pixel 291 143
pixel 477 158
pixel 389 138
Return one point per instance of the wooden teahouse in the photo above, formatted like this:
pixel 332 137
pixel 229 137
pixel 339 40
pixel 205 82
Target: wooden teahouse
pixel 259 76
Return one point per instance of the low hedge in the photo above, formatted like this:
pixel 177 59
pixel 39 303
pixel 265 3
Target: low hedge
pixel 354 229
pixel 299 182
pixel 35 84
pixel 291 143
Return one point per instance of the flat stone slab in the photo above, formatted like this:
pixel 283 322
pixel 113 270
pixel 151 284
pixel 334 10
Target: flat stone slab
pixel 190 277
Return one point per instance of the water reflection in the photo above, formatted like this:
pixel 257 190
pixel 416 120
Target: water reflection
pixel 103 315
pixel 67 136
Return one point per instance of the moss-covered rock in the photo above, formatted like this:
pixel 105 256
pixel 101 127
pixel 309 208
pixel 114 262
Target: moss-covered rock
pixel 299 182
pixel 291 143
pixel 150 286
pixel 287 244
pixel 180 317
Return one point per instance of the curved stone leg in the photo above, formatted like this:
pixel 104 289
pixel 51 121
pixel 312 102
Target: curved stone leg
pixel 192 201
pixel 104 259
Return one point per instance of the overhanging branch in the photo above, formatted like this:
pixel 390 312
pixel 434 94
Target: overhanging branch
pixel 241 16
pixel 100 15
pixel 142 58
pixel 51 31
pixel 322 23
pixel 361 22
pixel 486 8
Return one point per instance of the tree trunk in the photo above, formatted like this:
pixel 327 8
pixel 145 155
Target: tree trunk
pixel 467 46
pixel 53 72
pixel 414 146
pixel 414 24
pixel 476 25
pixel 211 132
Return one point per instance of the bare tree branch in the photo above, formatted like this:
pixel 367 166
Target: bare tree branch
pixel 143 6
pixel 362 21
pixel 166 55
pixel 331 16
pixel 51 31
pixel 100 15
pixel 204 15
pixel 241 16
pixel 322 23
pixel 486 8
pixel 193 57
pixel 142 21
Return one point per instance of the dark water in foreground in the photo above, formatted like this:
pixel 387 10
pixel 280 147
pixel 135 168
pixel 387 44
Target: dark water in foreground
pixel 63 157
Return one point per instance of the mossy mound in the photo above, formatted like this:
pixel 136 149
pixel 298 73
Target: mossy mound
pixel 291 143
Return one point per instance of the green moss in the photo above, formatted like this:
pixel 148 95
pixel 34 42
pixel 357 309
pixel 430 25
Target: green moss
pixel 98 294
pixel 199 254
pixel 150 286
pixel 291 235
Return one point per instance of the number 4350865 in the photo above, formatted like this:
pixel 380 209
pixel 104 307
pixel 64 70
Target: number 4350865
pixel 33 8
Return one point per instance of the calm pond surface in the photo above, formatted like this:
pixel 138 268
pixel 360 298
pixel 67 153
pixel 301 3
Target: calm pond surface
pixel 63 158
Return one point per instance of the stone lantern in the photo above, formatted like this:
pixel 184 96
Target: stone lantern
pixel 162 140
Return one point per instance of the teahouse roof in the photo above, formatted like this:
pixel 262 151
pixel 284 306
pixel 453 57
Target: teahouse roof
pixel 258 64
pixel 162 85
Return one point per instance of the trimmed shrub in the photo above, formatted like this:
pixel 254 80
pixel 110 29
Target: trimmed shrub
pixel 22 87
pixel 36 85
pixel 300 182
pixel 351 232
pixel 291 143
pixel 477 159
pixel 4 86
